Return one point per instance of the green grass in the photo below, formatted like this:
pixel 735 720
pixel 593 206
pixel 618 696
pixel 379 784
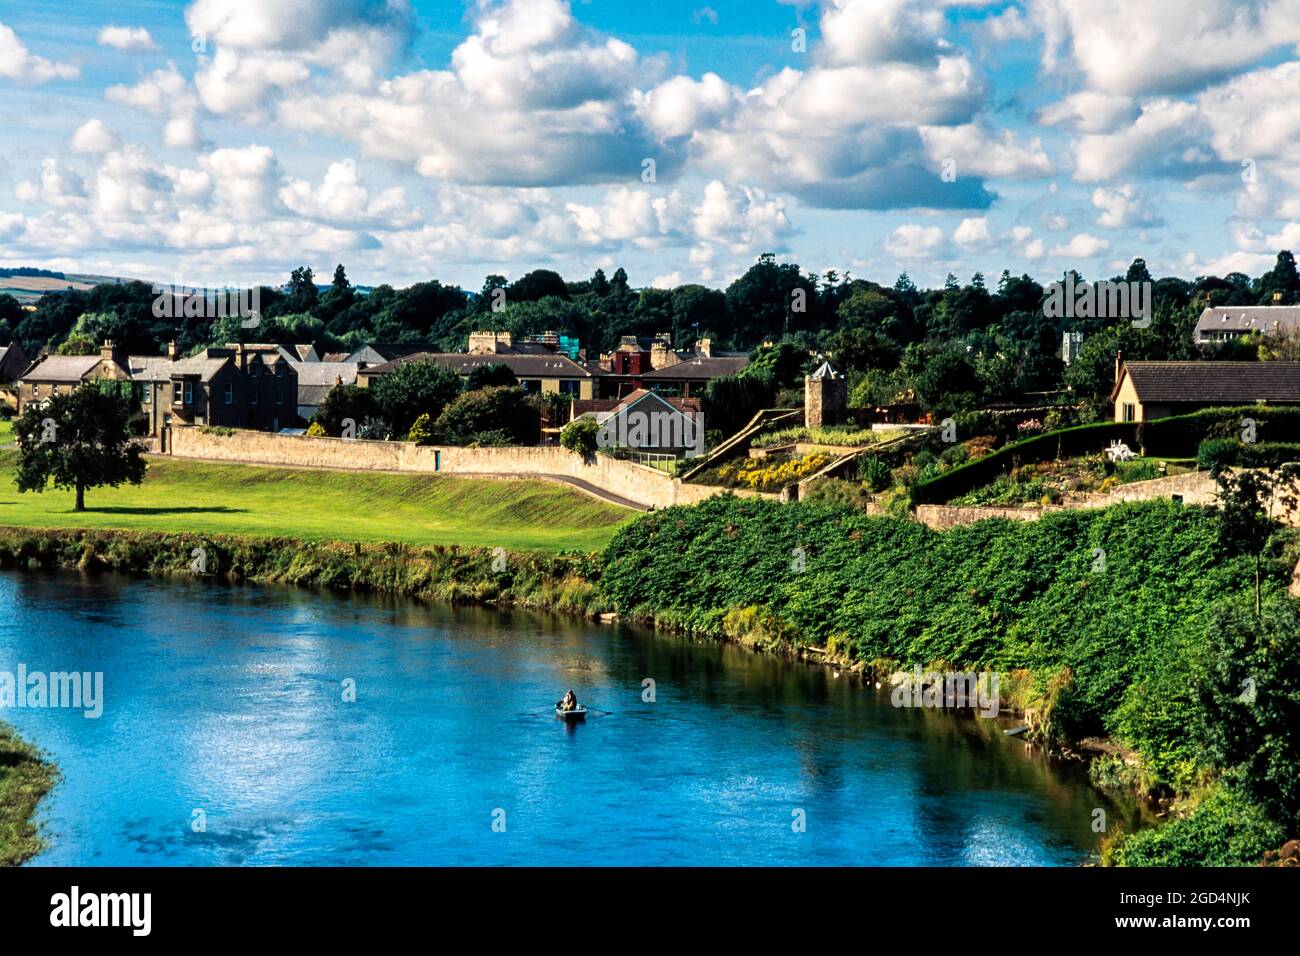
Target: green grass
pixel 6 431
pixel 326 505
pixel 24 778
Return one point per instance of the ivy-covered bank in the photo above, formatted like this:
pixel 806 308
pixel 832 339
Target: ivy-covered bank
pixel 25 777
pixel 1135 623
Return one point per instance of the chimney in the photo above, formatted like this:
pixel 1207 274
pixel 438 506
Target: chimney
pixel 239 356
pixel 171 351
pixel 503 338
pixel 109 352
pixel 1119 361
pixel 705 347
pixel 482 343
pixel 1277 297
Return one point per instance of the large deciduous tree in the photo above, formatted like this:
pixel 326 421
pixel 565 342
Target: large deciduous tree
pixel 79 440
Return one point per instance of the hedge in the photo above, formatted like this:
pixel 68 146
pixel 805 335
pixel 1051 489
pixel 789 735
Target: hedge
pixel 1076 440
pixel 1179 436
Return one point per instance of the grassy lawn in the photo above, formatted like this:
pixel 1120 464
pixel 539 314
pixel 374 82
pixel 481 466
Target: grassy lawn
pixel 353 506
pixel 6 431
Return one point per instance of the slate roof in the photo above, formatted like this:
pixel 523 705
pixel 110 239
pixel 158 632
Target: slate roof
pixel 316 379
pixel 62 368
pixel 549 365
pixel 150 368
pixel 1228 383
pixel 1248 318
pixel 698 368
pixel 204 365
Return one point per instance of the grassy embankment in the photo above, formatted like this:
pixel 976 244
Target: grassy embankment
pixel 326 505
pixel 24 779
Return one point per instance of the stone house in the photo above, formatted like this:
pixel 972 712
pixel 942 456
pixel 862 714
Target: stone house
pixel 1145 391
pixel 235 386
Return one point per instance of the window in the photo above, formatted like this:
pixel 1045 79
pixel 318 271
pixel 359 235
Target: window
pixel 1130 412
pixel 230 393
pixel 148 394
pixel 252 397
pixel 36 390
pixel 279 396
pixel 189 393
pixel 54 389
pixel 568 386
pixel 255 369
pixel 176 393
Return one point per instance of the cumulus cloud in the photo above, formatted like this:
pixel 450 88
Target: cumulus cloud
pixel 342 198
pixel 93 137
pixel 1123 207
pixel 127 39
pixel 1081 246
pixel 1166 46
pixel 163 92
pixel 19 64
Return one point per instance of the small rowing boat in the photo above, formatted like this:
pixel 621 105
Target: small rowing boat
pixel 578 713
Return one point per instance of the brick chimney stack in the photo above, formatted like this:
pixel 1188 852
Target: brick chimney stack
pixel 172 351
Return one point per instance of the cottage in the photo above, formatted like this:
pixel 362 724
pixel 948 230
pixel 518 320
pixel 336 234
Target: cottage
pixel 1149 390
pixel 236 386
pixel 1225 323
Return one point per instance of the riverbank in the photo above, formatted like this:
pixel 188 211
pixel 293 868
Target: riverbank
pixel 1089 649
pixel 25 778
pixel 319 505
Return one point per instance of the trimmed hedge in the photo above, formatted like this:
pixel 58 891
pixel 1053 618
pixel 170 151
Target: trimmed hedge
pixel 1216 453
pixel 1077 440
pixel 1179 436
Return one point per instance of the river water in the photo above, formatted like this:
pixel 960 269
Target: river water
pixel 226 738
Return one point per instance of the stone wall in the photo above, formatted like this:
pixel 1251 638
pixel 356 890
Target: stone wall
pixel 1195 488
pixel 645 486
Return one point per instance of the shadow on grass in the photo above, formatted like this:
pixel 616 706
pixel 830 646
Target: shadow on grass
pixel 218 510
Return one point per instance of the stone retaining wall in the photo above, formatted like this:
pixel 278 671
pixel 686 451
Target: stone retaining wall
pixel 645 486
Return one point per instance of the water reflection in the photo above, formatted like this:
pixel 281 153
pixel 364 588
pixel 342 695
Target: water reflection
pixel 232 700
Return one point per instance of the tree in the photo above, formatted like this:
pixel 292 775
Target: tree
pixel 414 389
pixel 1248 501
pixel 345 402
pixel 79 440
pixel 1248 686
pixel 483 376
pixel 490 410
pixel 579 436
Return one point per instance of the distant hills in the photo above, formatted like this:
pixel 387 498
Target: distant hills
pixel 27 284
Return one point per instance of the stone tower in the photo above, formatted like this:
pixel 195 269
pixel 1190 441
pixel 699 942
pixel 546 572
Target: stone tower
pixel 825 397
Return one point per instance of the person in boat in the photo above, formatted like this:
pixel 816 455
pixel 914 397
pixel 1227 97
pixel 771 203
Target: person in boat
pixel 570 701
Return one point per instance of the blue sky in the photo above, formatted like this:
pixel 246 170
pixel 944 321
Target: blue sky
pixel 232 140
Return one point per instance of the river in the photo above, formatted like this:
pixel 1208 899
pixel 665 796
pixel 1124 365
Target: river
pixel 226 738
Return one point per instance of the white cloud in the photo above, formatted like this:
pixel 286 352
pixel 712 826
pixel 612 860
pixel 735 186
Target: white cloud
pixel 1082 246
pixel 94 137
pixel 343 199
pixel 163 92
pixel 127 39
pixel 1090 112
pixel 912 241
pixel 1123 207
pixel 17 63
pixel 1166 46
